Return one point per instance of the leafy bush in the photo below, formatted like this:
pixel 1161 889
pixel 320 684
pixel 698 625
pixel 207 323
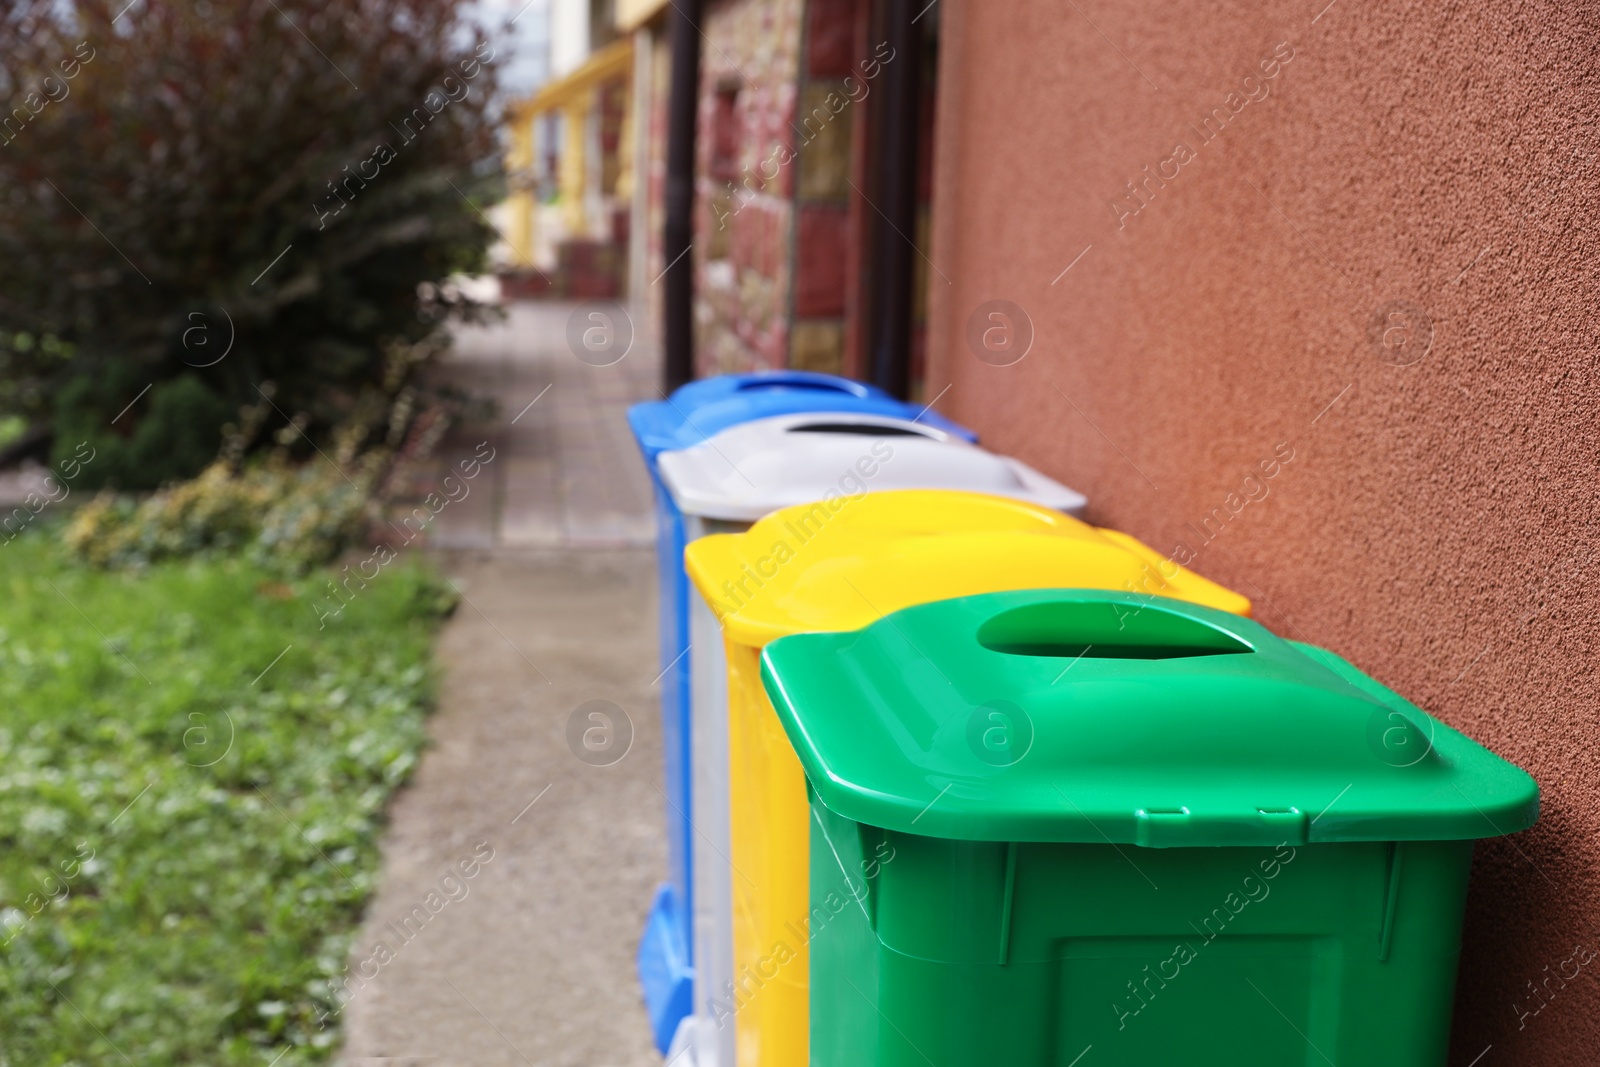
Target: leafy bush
pixel 298 515
pixel 191 790
pixel 179 434
pixel 196 196
pixel 11 428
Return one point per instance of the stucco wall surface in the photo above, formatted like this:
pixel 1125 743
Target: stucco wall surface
pixel 1354 245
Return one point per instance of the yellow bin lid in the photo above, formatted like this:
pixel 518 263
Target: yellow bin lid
pixel 844 563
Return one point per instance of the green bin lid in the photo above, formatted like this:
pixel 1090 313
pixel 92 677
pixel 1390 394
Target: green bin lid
pixel 1093 716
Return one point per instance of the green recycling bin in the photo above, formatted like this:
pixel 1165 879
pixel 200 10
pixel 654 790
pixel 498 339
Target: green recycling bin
pixel 1080 827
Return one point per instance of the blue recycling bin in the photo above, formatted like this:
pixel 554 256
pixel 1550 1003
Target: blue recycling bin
pixel 690 415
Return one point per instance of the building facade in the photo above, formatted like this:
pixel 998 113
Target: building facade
pixel 788 107
pixel 572 153
pixel 786 142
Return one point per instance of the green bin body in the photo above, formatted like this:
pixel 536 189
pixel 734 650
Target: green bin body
pixel 1077 827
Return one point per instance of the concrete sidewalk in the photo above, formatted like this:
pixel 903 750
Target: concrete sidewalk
pixel 529 960
pixel 566 473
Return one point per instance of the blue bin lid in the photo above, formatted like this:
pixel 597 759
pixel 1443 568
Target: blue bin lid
pixel 699 409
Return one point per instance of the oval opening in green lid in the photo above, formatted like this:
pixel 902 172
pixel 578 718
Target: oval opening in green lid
pixel 1097 631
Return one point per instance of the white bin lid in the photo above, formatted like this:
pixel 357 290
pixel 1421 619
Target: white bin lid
pixel 752 469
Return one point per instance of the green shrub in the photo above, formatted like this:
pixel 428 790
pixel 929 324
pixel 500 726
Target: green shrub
pixel 206 195
pixel 273 512
pixel 11 428
pixel 178 435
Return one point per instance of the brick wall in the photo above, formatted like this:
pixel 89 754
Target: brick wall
pixel 745 184
pixel 653 169
pixel 825 284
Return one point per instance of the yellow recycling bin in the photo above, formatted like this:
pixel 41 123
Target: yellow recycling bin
pixel 839 566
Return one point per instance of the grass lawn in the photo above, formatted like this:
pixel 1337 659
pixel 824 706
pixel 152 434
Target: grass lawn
pixel 192 778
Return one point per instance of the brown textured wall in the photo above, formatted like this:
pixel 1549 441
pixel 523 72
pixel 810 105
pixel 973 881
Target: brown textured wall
pixel 1417 187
